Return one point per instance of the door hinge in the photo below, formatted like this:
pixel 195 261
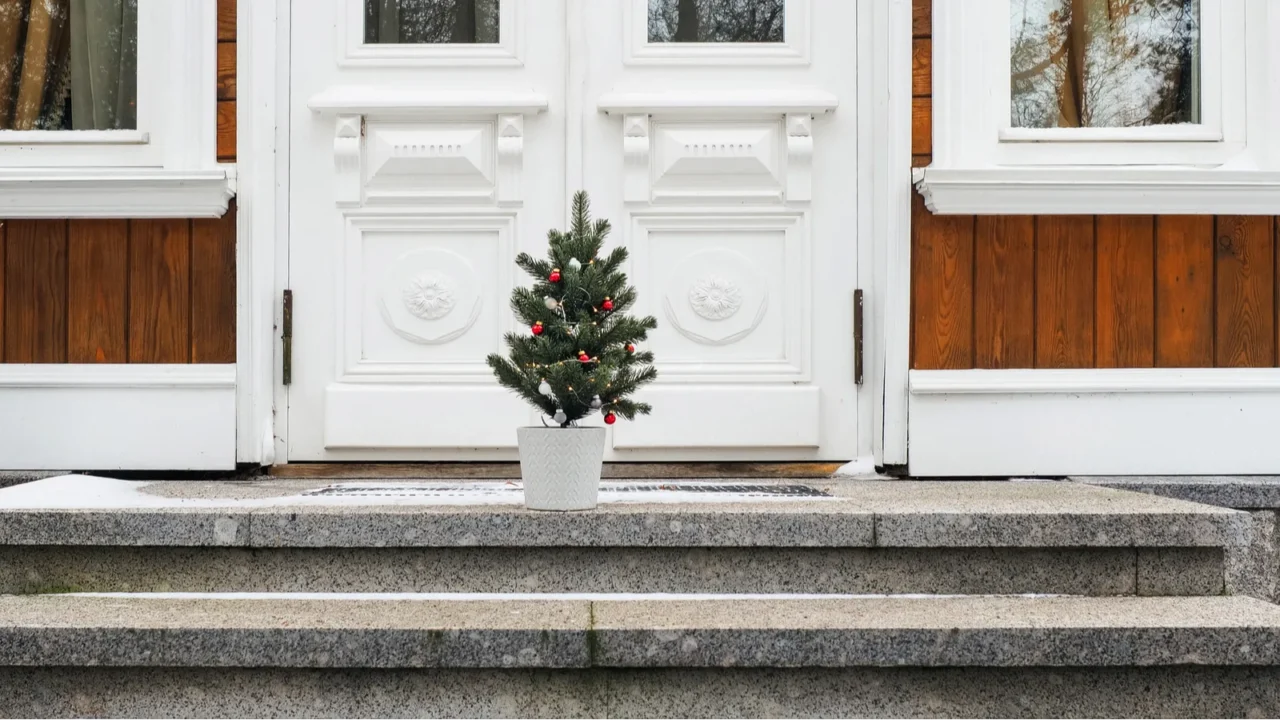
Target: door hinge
pixel 857 336
pixel 286 339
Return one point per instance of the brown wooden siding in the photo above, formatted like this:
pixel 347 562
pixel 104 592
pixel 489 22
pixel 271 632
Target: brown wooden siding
pixel 126 291
pixel 116 291
pixel 1084 291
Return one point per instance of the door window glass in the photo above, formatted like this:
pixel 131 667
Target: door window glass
pixel 716 21
pixel 431 21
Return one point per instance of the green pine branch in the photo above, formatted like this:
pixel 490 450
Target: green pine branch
pixel 580 354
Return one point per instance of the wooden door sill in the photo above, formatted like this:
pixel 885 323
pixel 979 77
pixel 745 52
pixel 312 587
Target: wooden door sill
pixel 511 470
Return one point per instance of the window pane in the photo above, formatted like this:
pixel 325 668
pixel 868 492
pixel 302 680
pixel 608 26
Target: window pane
pixel 68 64
pixel 1105 63
pixel 716 21
pixel 430 21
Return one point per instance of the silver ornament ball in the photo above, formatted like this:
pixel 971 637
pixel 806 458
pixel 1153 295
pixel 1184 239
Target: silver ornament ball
pixel 550 302
pixel 596 402
pixel 575 264
pixel 560 417
pixel 544 387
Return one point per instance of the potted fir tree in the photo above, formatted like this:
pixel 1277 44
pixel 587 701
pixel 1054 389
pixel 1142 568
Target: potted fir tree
pixel 577 357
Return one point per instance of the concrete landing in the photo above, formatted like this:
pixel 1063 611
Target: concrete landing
pixel 83 510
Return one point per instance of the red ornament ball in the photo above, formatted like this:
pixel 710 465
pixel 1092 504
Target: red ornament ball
pixel 607 304
pixel 610 419
pixel 582 357
pixel 537 328
pixel 631 348
pixel 555 275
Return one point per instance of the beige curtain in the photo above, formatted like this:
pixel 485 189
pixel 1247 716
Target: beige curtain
pixel 104 64
pixel 52 51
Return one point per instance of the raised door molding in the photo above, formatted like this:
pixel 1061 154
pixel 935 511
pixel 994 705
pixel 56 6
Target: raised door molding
pixel 422 134
pixel 719 104
pixel 723 140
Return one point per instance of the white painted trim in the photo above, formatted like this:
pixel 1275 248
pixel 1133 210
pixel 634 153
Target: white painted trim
pixel 106 417
pixel 74 137
pixel 55 192
pixel 884 71
pixel 262 225
pixel 156 377
pixel 725 103
pixel 1095 422
pixel 1099 191
pixel 1119 380
pixel 393 100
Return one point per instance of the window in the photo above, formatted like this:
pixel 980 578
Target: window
pixel 1101 63
pixel 1066 106
pixel 716 21
pixel 69 65
pixel 432 22
pixel 716 32
pixel 107 109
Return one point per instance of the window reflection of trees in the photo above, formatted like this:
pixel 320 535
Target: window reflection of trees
pixel 716 21
pixel 431 21
pixel 1105 63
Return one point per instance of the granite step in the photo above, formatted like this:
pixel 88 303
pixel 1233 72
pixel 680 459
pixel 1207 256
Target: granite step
pixel 601 656
pixel 95 534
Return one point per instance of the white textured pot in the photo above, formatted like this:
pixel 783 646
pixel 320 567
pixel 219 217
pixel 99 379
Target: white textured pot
pixel 561 466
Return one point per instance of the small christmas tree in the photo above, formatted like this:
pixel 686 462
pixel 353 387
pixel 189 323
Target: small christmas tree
pixel 579 354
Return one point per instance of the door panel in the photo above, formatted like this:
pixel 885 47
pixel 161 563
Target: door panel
pixel 730 169
pixel 431 140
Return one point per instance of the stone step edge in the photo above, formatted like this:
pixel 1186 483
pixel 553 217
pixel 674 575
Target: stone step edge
pixel 969 631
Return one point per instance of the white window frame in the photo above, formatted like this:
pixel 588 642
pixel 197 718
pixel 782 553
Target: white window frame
pixel 983 165
pixel 167 167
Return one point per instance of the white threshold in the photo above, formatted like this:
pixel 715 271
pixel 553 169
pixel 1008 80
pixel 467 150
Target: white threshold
pixel 1094 422
pixel 1098 191
pixel 113 417
pixel 71 192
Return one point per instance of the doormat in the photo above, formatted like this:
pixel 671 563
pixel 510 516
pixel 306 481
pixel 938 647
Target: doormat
pixel 609 491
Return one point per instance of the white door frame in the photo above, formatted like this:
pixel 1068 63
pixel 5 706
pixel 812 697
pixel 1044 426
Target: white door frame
pixel 262 256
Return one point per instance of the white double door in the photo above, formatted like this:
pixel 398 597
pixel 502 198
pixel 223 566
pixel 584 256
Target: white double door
pixel 419 169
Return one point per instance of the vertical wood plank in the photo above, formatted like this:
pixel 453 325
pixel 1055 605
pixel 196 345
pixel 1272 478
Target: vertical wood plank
pixel 1126 301
pixel 1064 291
pixel 226 20
pixel 1004 292
pixel 160 291
pixel 1184 291
pixel 1245 319
pixel 227 71
pixel 942 282
pixel 922 18
pixel 922 126
pixel 97 289
pixel 226 130
pixel 922 67
pixel 36 291
pixel 213 289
